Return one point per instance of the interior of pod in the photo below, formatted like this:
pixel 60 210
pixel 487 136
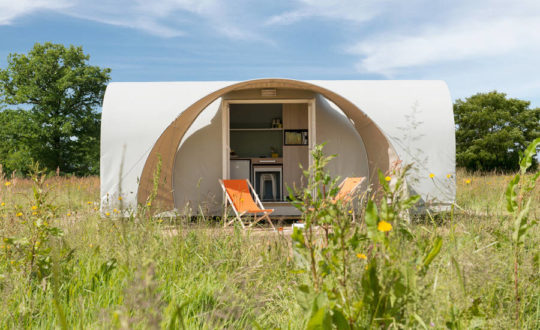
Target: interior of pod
pixel 247 135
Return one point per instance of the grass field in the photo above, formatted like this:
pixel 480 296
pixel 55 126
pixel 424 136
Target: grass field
pixel 105 272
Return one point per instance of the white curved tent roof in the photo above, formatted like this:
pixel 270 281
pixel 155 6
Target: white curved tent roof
pixel 415 116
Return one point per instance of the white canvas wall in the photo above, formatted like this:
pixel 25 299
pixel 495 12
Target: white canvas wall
pixel 197 166
pixel 342 139
pixel 416 116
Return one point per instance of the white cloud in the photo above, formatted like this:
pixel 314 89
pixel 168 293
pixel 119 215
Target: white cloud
pixel 12 9
pixel 499 31
pixel 350 10
pixel 475 46
pixel 387 54
pixel 164 18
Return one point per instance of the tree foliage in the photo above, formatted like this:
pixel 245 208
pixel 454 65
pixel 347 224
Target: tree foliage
pixel 55 96
pixel 492 130
pixel 15 153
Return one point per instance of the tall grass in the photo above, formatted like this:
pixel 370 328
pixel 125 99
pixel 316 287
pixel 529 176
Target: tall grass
pixel 136 273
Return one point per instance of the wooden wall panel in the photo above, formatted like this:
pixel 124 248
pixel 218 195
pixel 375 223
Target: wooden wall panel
pixel 295 116
pixel 292 174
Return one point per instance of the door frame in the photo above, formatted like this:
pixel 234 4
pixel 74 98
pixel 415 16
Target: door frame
pixel 225 132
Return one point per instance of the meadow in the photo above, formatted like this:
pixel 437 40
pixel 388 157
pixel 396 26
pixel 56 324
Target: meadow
pixel 63 265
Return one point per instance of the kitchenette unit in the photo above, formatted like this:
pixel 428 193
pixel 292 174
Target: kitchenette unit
pixel 268 143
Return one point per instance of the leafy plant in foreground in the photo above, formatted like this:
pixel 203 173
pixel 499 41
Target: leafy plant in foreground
pixel 33 250
pixel 518 203
pixel 359 275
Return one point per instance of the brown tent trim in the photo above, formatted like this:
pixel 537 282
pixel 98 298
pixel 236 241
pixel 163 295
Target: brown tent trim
pixel 379 150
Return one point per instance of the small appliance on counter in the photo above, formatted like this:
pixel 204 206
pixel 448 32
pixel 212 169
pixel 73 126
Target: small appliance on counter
pixel 295 137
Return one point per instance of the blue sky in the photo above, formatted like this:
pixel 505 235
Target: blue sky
pixel 475 46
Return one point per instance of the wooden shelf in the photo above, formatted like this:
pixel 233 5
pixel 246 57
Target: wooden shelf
pixel 256 129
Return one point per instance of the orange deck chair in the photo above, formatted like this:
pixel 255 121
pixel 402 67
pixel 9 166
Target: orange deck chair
pixel 239 197
pixel 347 190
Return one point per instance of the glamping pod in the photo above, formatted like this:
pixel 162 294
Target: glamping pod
pixel 196 133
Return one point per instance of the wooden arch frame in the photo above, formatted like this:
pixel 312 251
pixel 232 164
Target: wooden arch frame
pixel 380 152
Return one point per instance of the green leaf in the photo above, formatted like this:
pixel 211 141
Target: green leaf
pixel 370 284
pixel 386 213
pixel 383 182
pixel 532 182
pixel 354 240
pixel 298 237
pixel 55 231
pixel 511 196
pixel 437 244
pixel 520 224
pixel 339 320
pixel 459 274
pixel 526 160
pixel 23 241
pixel 372 218
pixel 304 288
pixel 320 320
pixel 419 320
pixel 410 202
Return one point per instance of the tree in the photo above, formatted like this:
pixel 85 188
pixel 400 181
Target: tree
pixel 492 130
pixel 61 94
pixel 15 155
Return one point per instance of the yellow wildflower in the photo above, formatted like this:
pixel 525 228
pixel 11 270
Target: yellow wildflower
pixel 384 226
pixel 361 256
pixel 115 211
pixel 68 214
pixel 89 203
pixel 119 198
pixel 12 262
pixel 467 181
pixel 387 179
pixel 7 183
pixel 431 175
pixel 34 213
pixel 350 211
pixel 19 214
pixel 107 214
pixel 3 204
pixel 148 204
pixel 90 245
pixel 448 176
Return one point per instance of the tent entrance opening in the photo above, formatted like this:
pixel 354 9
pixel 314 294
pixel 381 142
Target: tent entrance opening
pixel 267 143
